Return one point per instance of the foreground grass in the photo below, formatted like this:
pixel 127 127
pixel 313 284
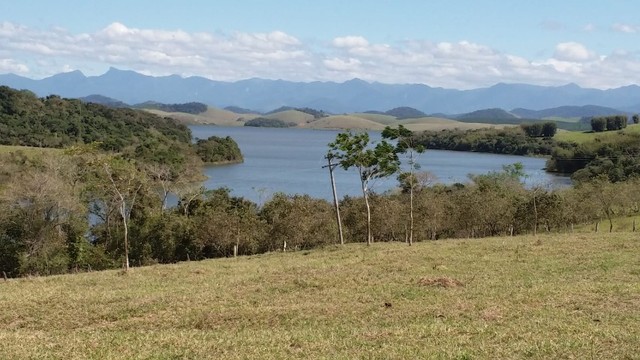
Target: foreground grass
pixel 562 296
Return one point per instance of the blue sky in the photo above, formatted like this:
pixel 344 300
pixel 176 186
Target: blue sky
pixel 455 44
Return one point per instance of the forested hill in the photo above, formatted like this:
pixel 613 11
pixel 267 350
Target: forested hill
pixel 55 122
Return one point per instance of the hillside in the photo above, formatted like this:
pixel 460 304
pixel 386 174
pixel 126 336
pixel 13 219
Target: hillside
pixel 370 121
pixel 213 116
pixel 54 122
pixel 345 122
pixel 292 116
pixel 493 114
pixel 563 296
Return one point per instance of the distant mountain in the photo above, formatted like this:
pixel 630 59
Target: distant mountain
pixel 240 110
pixel 104 100
pixel 568 112
pixel 280 109
pixel 351 96
pixel 187 108
pixel 495 114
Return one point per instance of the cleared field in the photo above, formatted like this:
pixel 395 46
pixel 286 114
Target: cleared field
pixel 570 296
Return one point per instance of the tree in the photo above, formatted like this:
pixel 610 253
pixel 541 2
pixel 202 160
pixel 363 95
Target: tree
pixel 532 130
pixel 636 118
pixel 549 129
pixel 598 124
pixel 122 186
pixel 353 150
pixel 406 144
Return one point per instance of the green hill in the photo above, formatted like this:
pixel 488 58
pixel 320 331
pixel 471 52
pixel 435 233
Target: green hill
pixel 563 296
pixel 494 114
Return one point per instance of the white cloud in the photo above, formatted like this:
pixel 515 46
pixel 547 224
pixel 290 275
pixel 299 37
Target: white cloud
pixel 572 51
pixel 350 42
pixel 625 28
pixel 336 64
pixel 276 54
pixel 12 66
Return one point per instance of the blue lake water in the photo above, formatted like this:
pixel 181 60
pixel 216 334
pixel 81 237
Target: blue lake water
pixel 291 160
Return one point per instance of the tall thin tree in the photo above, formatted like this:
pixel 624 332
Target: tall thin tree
pixel 406 144
pixel 355 150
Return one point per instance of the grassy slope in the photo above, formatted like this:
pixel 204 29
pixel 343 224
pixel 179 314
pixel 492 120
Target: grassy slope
pixel 28 150
pixel 379 118
pixel 351 121
pixel 345 122
pixel 294 116
pixel 581 137
pixel 564 296
pixel 211 116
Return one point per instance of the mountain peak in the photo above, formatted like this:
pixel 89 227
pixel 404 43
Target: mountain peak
pixel 75 74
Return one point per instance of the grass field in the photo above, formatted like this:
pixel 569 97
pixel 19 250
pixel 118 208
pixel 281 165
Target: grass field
pixel 5 149
pixel 581 136
pixel 563 296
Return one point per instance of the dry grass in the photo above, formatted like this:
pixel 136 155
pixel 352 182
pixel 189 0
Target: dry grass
pixel 379 118
pixel 212 116
pixel 345 122
pixel 28 150
pixel 562 296
pixel 292 116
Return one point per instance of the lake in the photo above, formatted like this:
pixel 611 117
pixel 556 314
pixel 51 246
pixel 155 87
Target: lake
pixel 291 160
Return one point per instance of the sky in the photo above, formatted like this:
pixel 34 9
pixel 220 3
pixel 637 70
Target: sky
pixel 460 44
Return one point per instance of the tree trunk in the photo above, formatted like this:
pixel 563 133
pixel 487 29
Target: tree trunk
pixel 535 214
pixel 125 224
pixel 411 210
pixel 363 182
pixel 335 201
pixel 411 199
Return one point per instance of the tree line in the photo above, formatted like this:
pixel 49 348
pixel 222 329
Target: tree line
pixel 87 210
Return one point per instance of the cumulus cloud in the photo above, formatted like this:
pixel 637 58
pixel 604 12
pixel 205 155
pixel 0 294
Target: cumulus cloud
pixel 276 54
pixel 12 66
pixel 350 42
pixel 573 52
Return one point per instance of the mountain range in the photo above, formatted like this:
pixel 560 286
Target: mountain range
pixel 351 96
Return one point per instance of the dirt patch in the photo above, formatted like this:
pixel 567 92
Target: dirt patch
pixel 444 282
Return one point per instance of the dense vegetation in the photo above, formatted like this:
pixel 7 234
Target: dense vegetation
pixel 266 122
pixel 218 150
pixel 615 157
pixel 54 122
pixel 46 201
pixel 512 141
pixel 546 129
pixel 27 120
